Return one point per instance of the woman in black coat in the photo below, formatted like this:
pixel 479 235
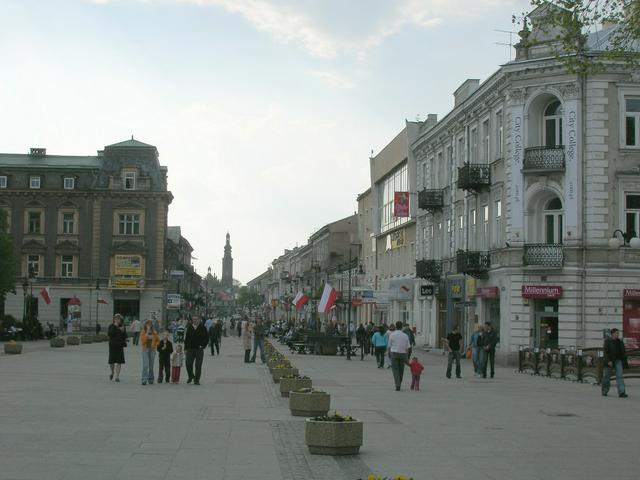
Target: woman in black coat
pixel 117 342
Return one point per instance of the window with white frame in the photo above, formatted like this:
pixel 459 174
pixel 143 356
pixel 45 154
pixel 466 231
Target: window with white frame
pixel 34 181
pixel 499 134
pixel 473 146
pixel 632 214
pixel 486 141
pixel 425 184
pixel 3 181
pixel 69 183
pixel 552 128
pixel 34 224
pixel 432 172
pixel 449 239
pixel 129 180
pixel 632 121
pixel 439 241
pixel 498 216
pixel 450 165
pixel 442 171
pixel 129 224
pixel 33 265
pixel 553 221
pixel 460 233
pixel 66 266
pixel 485 227
pixel 398 181
pixel 68 223
pixel 472 229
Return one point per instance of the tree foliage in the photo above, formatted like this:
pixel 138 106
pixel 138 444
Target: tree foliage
pixel 249 298
pixel 573 20
pixel 7 258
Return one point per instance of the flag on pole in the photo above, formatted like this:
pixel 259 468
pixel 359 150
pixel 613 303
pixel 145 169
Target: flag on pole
pixel 44 293
pixel 329 295
pixel 300 300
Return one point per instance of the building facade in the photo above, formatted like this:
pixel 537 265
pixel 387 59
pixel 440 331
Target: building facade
pixel 87 227
pixel 521 188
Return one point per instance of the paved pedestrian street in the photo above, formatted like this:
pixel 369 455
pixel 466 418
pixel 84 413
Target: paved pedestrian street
pixel 62 418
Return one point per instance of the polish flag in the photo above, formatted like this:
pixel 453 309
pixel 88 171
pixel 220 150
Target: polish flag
pixel 329 295
pixel 300 300
pixel 44 293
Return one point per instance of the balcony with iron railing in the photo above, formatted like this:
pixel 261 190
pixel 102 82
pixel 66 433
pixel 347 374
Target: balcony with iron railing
pixel 431 200
pixel 474 177
pixel 473 263
pixel 543 255
pixel 429 269
pixel 543 159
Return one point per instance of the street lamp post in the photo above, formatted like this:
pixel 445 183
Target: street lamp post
pixel 349 312
pixel 97 298
pixel 25 287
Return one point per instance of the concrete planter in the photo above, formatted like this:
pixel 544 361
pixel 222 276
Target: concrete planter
pixel 86 339
pixel 333 438
pixel 288 384
pixel 73 340
pixel 276 373
pixel 57 342
pixel 12 348
pixel 309 404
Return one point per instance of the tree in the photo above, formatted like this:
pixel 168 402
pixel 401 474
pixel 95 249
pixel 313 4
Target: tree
pixel 570 22
pixel 7 259
pixel 249 298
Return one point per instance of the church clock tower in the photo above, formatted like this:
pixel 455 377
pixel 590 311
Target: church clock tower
pixel 227 266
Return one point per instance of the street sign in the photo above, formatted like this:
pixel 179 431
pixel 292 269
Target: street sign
pixel 173 301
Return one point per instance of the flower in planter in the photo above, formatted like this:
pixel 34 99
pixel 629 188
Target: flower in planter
pixel 299 377
pixel 336 417
pixel 309 390
pixel 399 477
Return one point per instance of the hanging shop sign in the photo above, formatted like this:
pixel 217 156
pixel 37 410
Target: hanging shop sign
pixel 401 204
pixel 426 290
pixel 173 301
pixel 631 294
pixel 128 283
pixel 541 291
pixel 128 265
pixel 397 239
pixel 487 292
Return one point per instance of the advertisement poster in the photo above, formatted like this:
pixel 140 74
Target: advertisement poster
pixel 401 204
pixel 128 265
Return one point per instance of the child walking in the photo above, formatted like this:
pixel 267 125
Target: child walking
pixel 176 363
pixel 416 371
pixel 165 349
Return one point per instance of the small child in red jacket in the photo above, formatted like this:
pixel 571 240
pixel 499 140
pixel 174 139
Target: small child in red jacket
pixel 416 371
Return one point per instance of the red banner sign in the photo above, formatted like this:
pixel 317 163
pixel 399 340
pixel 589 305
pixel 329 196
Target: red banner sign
pixel 541 291
pixel 631 293
pixel 401 204
pixel 487 292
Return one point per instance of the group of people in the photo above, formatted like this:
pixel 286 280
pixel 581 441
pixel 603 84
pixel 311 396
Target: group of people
pixel 188 350
pixel 481 347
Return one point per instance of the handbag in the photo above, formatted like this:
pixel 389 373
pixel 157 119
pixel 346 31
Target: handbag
pixel 469 354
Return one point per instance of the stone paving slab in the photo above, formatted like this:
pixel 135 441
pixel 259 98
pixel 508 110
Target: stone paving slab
pixel 63 419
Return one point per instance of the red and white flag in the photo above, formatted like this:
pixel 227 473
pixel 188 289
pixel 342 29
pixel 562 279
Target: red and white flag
pixel 329 295
pixel 102 300
pixel 300 300
pixel 44 293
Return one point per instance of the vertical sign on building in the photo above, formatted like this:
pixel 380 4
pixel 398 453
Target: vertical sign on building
pixel 517 98
pixel 571 140
pixel 401 204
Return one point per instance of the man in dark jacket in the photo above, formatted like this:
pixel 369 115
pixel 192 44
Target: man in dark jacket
pixel 361 338
pixel 615 359
pixel 258 341
pixel 488 352
pixel 215 332
pixel 195 341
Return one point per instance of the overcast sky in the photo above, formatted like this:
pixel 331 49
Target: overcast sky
pixel 264 111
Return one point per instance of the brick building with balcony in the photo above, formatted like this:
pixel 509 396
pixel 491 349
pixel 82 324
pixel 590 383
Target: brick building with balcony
pixel 88 227
pixel 521 188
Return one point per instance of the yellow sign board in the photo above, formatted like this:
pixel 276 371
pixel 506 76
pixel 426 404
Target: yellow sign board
pixel 397 239
pixel 126 283
pixel 128 265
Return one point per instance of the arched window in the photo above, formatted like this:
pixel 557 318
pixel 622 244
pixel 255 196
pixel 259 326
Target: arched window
pixel 552 124
pixel 553 221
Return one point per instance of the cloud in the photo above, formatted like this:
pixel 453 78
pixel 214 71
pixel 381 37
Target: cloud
pixel 333 79
pixel 292 21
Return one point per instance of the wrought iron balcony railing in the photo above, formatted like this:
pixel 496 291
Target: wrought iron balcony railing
pixel 543 254
pixel 473 263
pixel 474 177
pixel 431 200
pixel 544 159
pixel 429 269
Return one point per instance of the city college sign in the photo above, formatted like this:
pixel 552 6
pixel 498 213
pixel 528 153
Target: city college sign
pixel 541 291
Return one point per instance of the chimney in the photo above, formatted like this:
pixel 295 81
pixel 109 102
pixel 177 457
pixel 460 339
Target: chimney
pixel 431 120
pixel 38 152
pixel 465 90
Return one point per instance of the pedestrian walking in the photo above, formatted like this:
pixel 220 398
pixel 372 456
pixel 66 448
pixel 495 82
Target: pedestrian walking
pixel 367 344
pixel 177 360
pixel 117 341
pixel 387 333
pixel 475 350
pixel 258 341
pixel 361 338
pixel 240 329
pixel 454 340
pixel 165 349
pixel 195 341
pixel 215 332
pixel 398 348
pixel 412 339
pixel 615 360
pixel 134 328
pixel 416 370
pixel 149 341
pixel 246 340
pixel 489 341
pixel 379 344
pixel 98 328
